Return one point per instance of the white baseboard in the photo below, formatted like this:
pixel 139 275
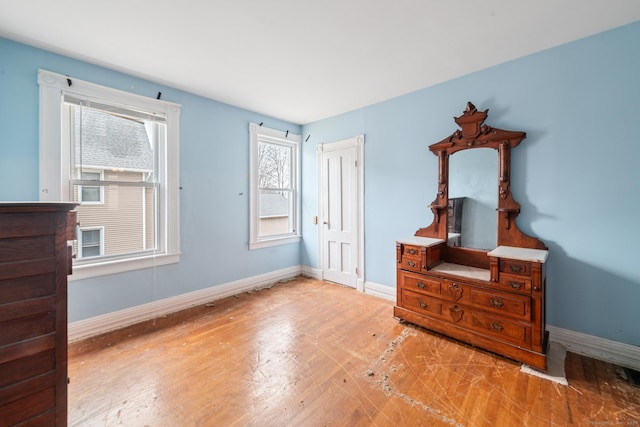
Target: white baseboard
pixel 129 316
pixel 382 291
pixel 598 348
pixel 314 273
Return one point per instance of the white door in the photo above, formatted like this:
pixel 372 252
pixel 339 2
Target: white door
pixel 340 213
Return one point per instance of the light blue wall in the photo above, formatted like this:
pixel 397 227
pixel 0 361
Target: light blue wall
pixel 576 175
pixel 214 162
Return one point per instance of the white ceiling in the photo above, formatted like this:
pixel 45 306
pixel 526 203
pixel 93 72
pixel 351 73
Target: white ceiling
pixel 304 60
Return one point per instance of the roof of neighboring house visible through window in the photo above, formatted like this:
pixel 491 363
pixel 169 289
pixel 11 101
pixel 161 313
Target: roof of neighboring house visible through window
pixel 111 142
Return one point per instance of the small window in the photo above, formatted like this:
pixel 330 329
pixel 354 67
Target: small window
pixel 91 242
pixel 275 202
pixel 88 194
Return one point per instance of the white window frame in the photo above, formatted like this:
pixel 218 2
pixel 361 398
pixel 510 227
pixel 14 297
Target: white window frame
pixel 262 134
pixel 55 167
pixel 80 243
pixel 100 188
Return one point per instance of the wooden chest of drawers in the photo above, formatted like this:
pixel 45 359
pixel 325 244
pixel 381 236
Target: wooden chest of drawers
pixel 500 309
pixel 34 263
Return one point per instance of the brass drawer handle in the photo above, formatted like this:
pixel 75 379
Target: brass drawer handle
pixel 496 326
pixel 515 268
pixel 422 305
pixel 515 285
pixel 411 263
pixel 496 302
pixel 412 251
pixel 420 285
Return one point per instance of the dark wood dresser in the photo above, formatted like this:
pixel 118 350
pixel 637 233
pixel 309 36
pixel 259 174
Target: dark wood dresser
pixel 34 262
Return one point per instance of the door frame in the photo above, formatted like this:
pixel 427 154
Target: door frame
pixel 357 142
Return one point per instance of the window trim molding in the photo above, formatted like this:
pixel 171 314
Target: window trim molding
pixel 256 132
pixel 55 162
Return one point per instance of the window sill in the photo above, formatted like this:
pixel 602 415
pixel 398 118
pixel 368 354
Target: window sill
pixel 98 269
pixel 273 242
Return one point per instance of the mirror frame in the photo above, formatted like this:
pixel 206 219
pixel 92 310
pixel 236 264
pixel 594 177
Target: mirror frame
pixel 473 133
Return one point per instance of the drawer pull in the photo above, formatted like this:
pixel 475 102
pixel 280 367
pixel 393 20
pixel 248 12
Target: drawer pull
pixel 515 268
pixel 455 291
pixel 496 302
pixel 515 285
pixel 456 313
pixel 496 326
pixel 422 305
pixel 412 251
pixel 420 285
pixel 411 263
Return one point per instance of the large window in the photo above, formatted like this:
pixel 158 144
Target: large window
pixel 275 202
pixel 116 154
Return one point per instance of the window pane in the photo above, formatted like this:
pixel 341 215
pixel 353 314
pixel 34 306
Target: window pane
pixel 274 165
pixel 90 243
pixel 90 176
pixel 128 216
pixel 105 141
pixel 90 251
pixel 91 237
pixel 110 148
pixel 274 213
pixel 90 194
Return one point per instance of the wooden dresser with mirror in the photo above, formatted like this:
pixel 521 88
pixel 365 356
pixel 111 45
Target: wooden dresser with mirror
pixel 483 281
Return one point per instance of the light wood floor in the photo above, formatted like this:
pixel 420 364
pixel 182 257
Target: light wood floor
pixel 311 353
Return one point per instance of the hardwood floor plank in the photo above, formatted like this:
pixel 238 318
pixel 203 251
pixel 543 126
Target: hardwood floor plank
pixel 312 353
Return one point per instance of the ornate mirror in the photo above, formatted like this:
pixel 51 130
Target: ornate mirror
pixel 474 210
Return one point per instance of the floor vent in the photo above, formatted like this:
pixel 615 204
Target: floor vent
pixel 633 376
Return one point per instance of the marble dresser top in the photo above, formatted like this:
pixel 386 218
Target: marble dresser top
pixel 420 241
pixel 462 271
pixel 522 254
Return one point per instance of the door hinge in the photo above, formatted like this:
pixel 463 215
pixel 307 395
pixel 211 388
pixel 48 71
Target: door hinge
pixel 356 163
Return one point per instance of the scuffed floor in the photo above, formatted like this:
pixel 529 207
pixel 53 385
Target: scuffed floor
pixel 311 353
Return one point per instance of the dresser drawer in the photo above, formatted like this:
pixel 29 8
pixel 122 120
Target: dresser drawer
pixel 421 303
pixel 411 251
pixel 511 266
pixel 26 248
pixel 420 284
pixel 503 329
pixel 508 304
pixel 19 369
pixel 411 264
pixel 411 257
pixel 515 283
pixel 14 331
pixel 517 306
